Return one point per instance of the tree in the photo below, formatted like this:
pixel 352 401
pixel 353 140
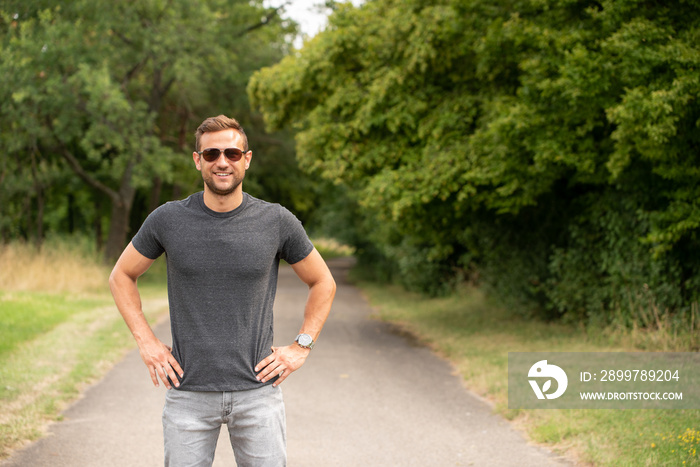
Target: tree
pixel 552 145
pixel 113 89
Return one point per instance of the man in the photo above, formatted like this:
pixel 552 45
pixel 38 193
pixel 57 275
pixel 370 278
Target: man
pixel 223 249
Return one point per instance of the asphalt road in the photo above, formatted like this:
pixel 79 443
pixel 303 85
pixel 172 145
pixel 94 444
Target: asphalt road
pixel 366 396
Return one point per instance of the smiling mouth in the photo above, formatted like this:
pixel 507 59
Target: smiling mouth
pixel 222 174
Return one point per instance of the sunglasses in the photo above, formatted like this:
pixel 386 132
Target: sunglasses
pixel 212 154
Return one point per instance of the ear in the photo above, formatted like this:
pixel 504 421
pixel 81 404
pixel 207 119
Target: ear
pixel 248 157
pixel 197 161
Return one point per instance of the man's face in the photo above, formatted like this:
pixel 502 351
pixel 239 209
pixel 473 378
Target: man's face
pixel 222 176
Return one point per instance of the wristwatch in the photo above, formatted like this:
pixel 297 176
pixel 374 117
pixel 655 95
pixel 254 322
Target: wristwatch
pixel 305 341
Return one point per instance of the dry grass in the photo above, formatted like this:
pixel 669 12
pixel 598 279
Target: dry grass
pixel 60 267
pixel 331 248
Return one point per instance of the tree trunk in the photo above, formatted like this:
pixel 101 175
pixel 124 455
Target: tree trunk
pixel 121 200
pixel 118 231
pixel 119 221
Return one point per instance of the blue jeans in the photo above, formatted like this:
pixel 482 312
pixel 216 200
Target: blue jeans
pixel 255 419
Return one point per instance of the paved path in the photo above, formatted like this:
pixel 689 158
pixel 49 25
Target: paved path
pixel 366 396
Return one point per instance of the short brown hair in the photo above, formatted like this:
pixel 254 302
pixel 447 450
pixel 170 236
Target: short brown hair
pixel 219 123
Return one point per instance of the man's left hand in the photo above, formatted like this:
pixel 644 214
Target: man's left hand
pixel 281 363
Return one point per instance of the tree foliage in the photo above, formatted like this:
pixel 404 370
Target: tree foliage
pixel 109 93
pixel 550 146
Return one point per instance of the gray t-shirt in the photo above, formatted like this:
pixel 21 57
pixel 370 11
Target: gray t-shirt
pixel 222 279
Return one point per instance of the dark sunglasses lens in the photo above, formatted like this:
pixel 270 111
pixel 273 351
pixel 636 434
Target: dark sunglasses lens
pixel 234 154
pixel 210 155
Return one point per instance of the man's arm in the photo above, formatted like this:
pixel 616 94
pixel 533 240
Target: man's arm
pixel 156 355
pixel 283 361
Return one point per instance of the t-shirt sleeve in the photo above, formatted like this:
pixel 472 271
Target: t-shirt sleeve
pixel 147 239
pixel 294 243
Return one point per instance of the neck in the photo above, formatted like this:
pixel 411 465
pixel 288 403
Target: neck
pixel 223 203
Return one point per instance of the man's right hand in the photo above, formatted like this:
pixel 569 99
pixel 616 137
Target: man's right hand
pixel 157 356
pixel 160 362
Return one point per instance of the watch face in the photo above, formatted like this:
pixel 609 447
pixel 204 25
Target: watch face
pixel 304 339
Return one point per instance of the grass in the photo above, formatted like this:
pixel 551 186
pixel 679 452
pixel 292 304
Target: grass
pixel 59 331
pixel 476 335
pixel 25 315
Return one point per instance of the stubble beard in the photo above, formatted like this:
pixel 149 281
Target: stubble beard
pixel 223 192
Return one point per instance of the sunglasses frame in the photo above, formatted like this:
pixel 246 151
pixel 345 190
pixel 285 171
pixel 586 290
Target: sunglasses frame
pixel 235 158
